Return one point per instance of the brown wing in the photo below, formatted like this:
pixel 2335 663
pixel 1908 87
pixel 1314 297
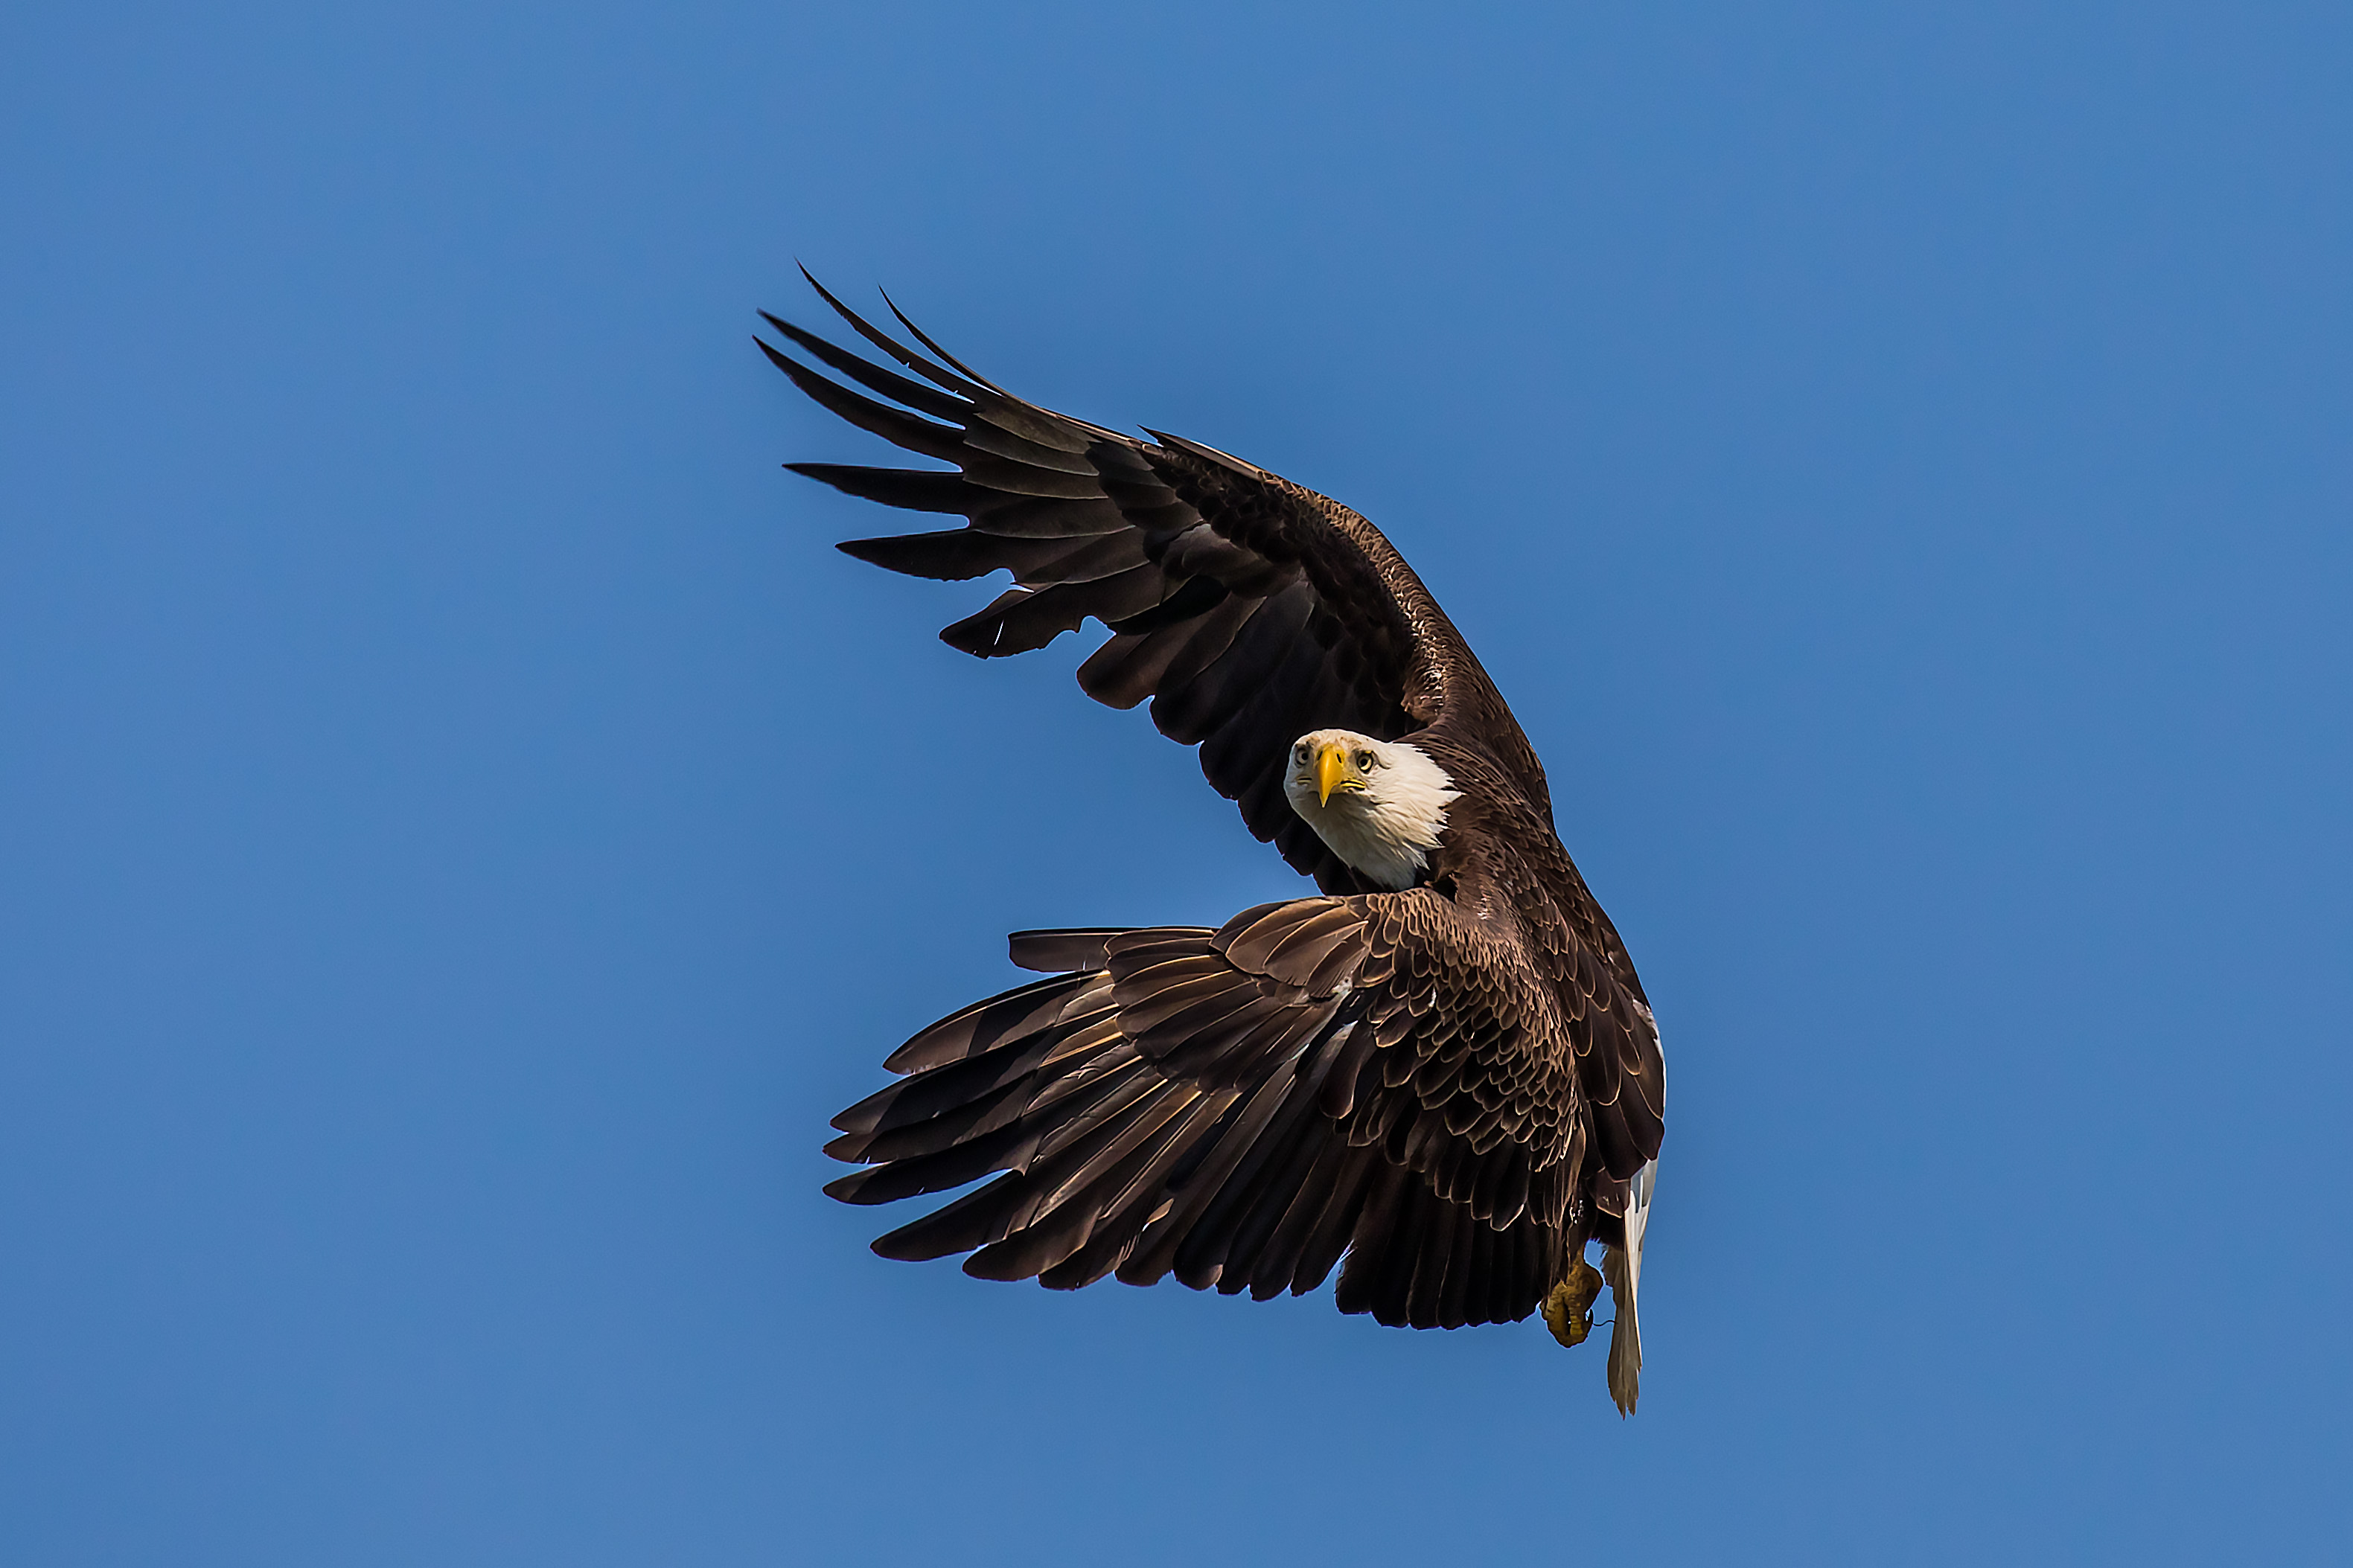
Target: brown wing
pixel 1372 1075
pixel 1248 609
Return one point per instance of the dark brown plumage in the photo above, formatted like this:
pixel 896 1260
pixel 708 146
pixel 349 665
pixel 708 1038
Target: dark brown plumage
pixel 1452 1086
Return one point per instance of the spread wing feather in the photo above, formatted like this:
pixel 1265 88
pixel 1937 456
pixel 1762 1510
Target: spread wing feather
pixel 1239 1107
pixel 1246 610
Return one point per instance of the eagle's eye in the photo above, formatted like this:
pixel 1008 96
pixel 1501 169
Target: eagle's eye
pixel 1364 761
pixel 1299 752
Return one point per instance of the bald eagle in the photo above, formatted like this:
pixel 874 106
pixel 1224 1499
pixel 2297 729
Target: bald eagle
pixel 1442 1069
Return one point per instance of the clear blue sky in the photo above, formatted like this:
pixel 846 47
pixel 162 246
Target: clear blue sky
pixel 463 829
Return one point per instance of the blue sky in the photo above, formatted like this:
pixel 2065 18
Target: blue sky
pixel 463 830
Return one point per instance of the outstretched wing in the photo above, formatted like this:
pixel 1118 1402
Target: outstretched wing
pixel 1371 1075
pixel 1248 609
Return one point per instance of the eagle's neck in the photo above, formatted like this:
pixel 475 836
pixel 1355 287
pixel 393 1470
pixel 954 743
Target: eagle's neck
pixel 1387 831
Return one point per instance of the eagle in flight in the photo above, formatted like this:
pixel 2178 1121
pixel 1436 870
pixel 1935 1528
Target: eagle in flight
pixel 1439 1074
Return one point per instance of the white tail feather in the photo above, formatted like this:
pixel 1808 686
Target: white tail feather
pixel 1623 1270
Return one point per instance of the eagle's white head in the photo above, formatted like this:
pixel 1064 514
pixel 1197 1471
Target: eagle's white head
pixel 1379 805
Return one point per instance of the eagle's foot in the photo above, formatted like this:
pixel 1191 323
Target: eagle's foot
pixel 1569 1310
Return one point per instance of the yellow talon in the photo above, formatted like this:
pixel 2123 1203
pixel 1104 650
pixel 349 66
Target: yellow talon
pixel 1569 1310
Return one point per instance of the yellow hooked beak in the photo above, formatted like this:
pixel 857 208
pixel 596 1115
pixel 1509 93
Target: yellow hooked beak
pixel 1331 770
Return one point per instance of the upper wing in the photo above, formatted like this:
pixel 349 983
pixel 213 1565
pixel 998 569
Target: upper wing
pixel 1248 609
